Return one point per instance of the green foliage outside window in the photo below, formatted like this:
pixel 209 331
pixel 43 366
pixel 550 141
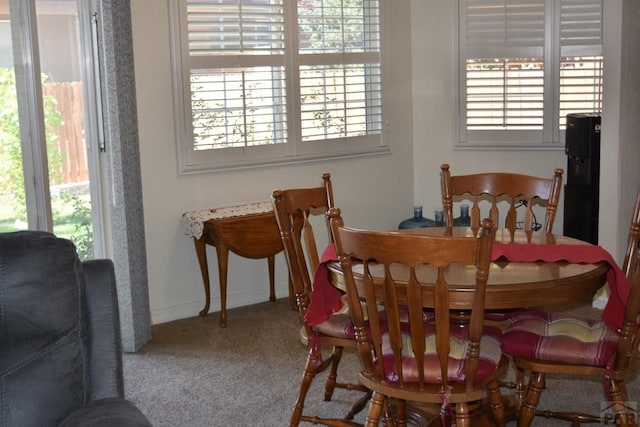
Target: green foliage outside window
pixel 67 207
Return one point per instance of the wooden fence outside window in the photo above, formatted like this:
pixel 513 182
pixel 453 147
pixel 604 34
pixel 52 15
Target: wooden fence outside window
pixel 71 135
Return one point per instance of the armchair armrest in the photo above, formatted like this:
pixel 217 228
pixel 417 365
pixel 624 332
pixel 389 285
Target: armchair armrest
pixel 110 412
pixel 105 347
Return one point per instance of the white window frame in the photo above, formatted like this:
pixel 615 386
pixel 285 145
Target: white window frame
pixel 551 135
pixel 24 27
pixel 294 150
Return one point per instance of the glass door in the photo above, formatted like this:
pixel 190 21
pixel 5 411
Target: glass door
pixel 49 145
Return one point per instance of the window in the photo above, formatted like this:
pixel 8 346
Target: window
pixel 49 130
pixel 523 66
pixel 274 81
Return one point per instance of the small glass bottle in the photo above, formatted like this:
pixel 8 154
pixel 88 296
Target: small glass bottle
pixel 464 220
pixel 417 220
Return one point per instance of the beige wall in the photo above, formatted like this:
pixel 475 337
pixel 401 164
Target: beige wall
pixel 434 118
pixel 371 191
pixel 374 192
pixel 629 119
pixel 434 113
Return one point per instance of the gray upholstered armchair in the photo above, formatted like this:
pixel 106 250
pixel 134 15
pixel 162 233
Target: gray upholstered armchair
pixel 60 351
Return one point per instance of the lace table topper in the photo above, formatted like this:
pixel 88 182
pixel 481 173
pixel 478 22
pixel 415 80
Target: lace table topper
pixel 194 220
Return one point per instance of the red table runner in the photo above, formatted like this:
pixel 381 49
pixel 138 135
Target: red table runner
pixel 325 298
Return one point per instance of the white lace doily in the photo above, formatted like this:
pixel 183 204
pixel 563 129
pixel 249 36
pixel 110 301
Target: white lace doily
pixel 194 220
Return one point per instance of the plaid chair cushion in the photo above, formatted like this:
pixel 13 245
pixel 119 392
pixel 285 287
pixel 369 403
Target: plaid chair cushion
pixel 560 337
pixel 499 316
pixel 490 354
pixel 339 324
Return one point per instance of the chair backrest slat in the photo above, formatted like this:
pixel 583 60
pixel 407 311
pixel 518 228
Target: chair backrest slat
pixel 406 274
pixel 293 209
pixel 629 338
pixel 493 187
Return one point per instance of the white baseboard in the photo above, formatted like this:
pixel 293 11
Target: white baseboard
pixel 192 309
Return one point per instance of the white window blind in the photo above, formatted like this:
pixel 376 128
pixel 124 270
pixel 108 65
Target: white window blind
pixel 236 61
pixel 580 57
pixel 267 81
pixel 340 76
pixel 525 64
pixel 499 28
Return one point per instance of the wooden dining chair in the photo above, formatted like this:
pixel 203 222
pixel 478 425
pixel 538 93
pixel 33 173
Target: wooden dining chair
pixel 568 345
pixel 513 188
pixel 295 210
pixel 441 361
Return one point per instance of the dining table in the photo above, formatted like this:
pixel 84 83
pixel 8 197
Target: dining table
pixel 529 270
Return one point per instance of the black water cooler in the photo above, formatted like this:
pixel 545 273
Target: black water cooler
pixel 581 191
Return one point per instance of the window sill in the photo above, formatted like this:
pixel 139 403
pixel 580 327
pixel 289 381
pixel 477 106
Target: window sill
pixel 502 146
pixel 281 161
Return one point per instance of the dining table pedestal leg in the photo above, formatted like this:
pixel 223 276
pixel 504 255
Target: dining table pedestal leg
pixel 428 415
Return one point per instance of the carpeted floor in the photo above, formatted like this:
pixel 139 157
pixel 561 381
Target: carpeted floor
pixel 196 374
